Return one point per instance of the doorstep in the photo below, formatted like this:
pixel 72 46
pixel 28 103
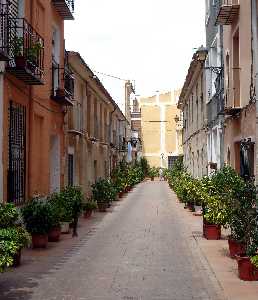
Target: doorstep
pixel 217 256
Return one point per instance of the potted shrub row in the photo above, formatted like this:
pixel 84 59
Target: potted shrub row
pixel 227 200
pixel 46 217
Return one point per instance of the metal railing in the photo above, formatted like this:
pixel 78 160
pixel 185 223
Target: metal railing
pixel 230 2
pixel 215 107
pixel 70 4
pixel 62 78
pixel 4 40
pixel 26 47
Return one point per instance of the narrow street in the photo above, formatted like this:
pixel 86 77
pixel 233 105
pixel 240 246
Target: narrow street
pixel 143 249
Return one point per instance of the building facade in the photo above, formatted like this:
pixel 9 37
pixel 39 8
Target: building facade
pixel 193 105
pixel 158 129
pixel 240 108
pixel 34 96
pixel 96 129
pixel 136 130
pixel 214 87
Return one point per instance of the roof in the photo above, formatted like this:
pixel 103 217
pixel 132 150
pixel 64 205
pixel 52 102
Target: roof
pixel 97 80
pixel 189 77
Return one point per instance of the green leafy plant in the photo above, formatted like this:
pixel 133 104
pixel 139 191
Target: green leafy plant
pixel 89 206
pixel 13 235
pixel 34 50
pixel 8 215
pixel 153 172
pixel 103 191
pixel 37 215
pixel 254 260
pixel 17 46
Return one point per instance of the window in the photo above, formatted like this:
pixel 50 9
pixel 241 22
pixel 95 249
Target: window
pixel 247 159
pixel 171 161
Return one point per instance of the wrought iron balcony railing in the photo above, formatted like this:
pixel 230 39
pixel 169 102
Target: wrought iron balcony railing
pixel 26 52
pixel 62 85
pixel 228 12
pixel 215 107
pixel 65 8
pixel 4 43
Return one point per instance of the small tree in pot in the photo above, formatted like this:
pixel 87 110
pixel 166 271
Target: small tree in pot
pixel 37 217
pixel 101 194
pixel 55 219
pixel 88 208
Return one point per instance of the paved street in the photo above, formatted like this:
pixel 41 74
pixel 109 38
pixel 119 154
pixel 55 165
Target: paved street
pixel 142 250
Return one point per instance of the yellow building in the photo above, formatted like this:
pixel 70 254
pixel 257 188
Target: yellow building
pixel 162 143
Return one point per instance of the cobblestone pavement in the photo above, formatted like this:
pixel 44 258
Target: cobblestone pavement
pixel 143 250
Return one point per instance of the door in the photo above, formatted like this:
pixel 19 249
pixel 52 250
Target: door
pixel 17 154
pixel 55 172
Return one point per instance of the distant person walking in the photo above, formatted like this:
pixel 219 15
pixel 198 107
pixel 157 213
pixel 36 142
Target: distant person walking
pixel 161 174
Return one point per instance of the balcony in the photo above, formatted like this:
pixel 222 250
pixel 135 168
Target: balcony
pixel 75 119
pixel 65 8
pixel 228 12
pixel 4 45
pixel 233 92
pixel 62 85
pixel 215 107
pixel 26 52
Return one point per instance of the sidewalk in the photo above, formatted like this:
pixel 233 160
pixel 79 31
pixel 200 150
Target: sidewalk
pixel 19 283
pixel 217 256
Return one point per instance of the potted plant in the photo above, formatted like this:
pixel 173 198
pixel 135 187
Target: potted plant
pixel 100 194
pixel 18 238
pixel 88 208
pixel 55 219
pixel 153 172
pixel 37 218
pixel 246 212
pixel 17 50
pixel 65 210
pixel 33 53
pixel 13 236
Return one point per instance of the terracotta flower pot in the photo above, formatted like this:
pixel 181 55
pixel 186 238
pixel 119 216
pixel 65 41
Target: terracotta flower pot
pixel 152 178
pixel 211 231
pixel 235 248
pixel 54 234
pixel 17 259
pixel 20 62
pixel 87 214
pixel 121 194
pixel 39 240
pixel 246 270
pixel 102 206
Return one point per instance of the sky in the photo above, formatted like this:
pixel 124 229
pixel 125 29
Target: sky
pixel 148 41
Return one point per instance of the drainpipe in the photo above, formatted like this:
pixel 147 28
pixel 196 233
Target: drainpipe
pixel 29 126
pixel 255 73
pixel 2 68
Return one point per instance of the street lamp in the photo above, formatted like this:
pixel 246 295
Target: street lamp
pixel 201 53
